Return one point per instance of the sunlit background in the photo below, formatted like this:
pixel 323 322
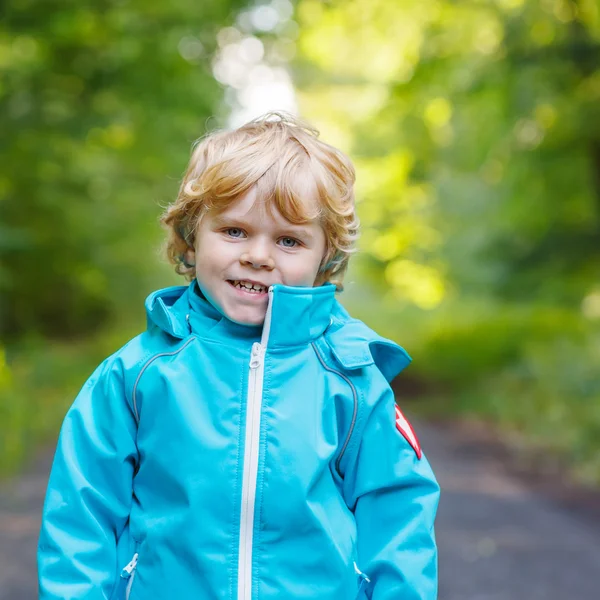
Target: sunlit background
pixel 475 130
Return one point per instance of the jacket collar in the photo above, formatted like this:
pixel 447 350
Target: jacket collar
pixel 298 315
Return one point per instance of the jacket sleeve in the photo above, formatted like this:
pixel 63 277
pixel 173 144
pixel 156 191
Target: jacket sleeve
pixel 394 495
pixel 89 493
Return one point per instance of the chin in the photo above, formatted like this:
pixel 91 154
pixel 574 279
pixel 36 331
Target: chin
pixel 249 323
pixel 240 320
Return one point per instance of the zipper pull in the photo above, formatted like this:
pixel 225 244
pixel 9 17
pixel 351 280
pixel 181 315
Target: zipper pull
pixel 256 356
pixel 361 574
pixel 126 572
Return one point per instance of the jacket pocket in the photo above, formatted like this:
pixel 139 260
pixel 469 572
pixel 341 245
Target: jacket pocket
pixel 362 583
pixel 128 576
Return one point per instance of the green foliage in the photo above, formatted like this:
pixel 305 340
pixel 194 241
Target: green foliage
pixel 475 127
pixel 42 382
pixel 528 367
pixel 480 340
pixel 99 104
pixel 494 111
pixel 552 394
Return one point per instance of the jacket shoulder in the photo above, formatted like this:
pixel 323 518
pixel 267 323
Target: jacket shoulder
pixel 127 362
pixel 354 345
pixel 142 346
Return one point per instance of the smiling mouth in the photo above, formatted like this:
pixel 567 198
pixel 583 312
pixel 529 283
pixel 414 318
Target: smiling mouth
pixel 247 286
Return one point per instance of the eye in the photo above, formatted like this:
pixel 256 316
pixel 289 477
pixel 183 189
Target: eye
pixel 234 232
pixel 288 242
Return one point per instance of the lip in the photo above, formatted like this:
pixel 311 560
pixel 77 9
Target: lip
pixel 253 296
pixel 262 283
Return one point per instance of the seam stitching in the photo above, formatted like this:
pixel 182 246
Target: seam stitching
pixel 354 414
pixel 143 369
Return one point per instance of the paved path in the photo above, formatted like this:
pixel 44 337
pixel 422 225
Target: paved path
pixel 498 540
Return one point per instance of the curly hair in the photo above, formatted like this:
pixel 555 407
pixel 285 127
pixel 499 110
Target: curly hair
pixel 283 157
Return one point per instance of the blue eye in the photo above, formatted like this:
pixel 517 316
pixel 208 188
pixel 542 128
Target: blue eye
pixel 234 232
pixel 293 243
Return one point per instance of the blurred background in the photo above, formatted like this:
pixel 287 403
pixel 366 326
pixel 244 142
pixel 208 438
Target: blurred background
pixel 475 129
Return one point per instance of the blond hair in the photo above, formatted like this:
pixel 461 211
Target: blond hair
pixel 283 158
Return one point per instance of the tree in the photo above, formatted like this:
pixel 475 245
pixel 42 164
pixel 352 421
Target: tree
pixel 99 104
pixel 476 128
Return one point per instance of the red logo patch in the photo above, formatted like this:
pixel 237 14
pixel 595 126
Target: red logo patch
pixel 405 428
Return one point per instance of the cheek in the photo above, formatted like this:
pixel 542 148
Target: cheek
pixel 212 251
pixel 302 270
pixel 205 263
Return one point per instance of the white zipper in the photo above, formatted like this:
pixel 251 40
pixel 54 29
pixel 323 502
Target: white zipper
pixel 251 451
pixel 128 572
pixel 360 573
pixel 364 581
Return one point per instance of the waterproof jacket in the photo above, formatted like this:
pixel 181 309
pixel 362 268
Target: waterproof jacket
pixel 211 460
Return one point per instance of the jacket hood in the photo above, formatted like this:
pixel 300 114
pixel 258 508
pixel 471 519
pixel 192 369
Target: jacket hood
pixel 299 315
pixel 354 345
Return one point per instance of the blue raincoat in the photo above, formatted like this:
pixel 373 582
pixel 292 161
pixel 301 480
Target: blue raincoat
pixel 210 460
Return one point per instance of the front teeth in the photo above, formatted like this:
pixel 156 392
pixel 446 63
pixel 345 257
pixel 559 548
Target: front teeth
pixel 253 288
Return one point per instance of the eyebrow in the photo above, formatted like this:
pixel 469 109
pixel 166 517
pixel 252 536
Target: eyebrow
pixel 222 220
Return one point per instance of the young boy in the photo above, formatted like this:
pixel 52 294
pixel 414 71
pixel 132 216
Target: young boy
pixel 247 446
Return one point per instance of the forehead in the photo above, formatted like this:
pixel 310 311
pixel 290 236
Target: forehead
pixel 252 206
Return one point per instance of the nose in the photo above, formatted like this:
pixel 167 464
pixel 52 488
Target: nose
pixel 258 256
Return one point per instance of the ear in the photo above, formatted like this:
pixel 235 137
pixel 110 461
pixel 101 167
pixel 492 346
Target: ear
pixel 189 257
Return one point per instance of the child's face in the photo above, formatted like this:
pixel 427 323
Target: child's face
pixel 246 243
